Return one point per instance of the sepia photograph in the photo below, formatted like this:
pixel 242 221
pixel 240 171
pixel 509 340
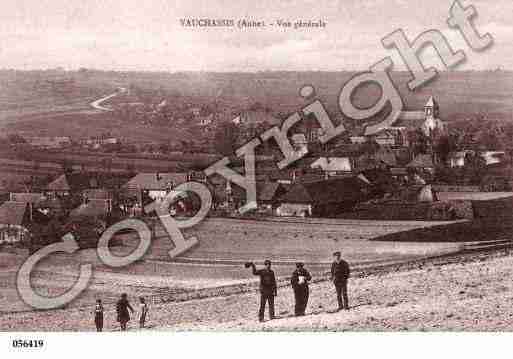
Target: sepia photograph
pixel 261 170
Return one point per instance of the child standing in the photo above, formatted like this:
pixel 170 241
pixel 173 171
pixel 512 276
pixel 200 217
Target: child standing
pixel 144 312
pixel 98 315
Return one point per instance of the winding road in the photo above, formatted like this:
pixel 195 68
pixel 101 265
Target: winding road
pixel 97 105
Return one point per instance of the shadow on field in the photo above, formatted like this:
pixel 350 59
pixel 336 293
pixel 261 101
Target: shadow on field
pixel 472 231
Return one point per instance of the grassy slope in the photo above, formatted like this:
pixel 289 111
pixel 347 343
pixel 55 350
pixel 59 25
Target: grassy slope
pixel 460 94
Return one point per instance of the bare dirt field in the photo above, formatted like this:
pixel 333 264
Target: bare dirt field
pixel 225 244
pixel 463 292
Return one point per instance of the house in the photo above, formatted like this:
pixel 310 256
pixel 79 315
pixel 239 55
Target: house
pixel 256 117
pixel 411 194
pixel 388 137
pixel 422 162
pixel 33 198
pixel 333 165
pixel 457 158
pixel 268 194
pixel 48 142
pixel 299 143
pixel 383 159
pixel 386 156
pixel 493 157
pixel 50 207
pixel 98 208
pixel 69 183
pixel 358 139
pixel 206 120
pixel 155 185
pixel 14 220
pixel 325 198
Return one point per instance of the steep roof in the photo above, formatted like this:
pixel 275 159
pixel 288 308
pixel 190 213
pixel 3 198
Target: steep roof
pixel 59 184
pixel 411 194
pixel 332 163
pixel 336 190
pixel 153 182
pixel 13 212
pixel 27 197
pixel 422 160
pixel 267 191
pixel 386 157
pixel 74 182
pixel 93 208
pixel 410 119
pixel 431 102
pixel 258 117
pixel 97 193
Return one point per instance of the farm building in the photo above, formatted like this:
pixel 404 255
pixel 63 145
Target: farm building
pixel 323 198
pixel 99 208
pixel 33 198
pixel 65 184
pixel 157 185
pixel 333 165
pixel 14 218
pixel 268 194
pixel 388 137
pixel 422 162
pixel 48 142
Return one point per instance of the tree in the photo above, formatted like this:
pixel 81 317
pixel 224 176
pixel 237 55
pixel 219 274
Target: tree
pixel 475 168
pixel 419 141
pixel 225 138
pixel 67 165
pixel 443 147
pixel 16 139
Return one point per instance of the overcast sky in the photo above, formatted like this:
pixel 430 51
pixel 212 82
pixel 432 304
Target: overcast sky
pixel 147 35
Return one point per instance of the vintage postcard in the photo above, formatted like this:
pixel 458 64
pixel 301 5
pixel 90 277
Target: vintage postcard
pixel 255 166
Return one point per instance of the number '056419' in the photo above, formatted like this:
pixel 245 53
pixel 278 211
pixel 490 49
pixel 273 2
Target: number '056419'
pixel 30 343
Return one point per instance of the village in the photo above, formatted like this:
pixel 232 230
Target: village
pixel 418 169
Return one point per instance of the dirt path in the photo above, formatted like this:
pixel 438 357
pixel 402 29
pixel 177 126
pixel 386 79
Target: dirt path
pixel 97 105
pixel 459 293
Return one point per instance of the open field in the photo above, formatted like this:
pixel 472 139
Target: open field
pixel 217 261
pixel 69 114
pixel 470 292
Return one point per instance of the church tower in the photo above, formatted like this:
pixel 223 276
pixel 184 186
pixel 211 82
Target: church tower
pixel 431 109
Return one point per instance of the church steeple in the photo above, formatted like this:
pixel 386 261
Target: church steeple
pixel 431 108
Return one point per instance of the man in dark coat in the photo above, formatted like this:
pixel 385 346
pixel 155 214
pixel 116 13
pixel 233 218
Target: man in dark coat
pixel 268 289
pixel 339 275
pixel 299 281
pixel 122 307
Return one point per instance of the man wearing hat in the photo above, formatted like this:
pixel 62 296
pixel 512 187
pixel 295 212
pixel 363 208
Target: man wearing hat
pixel 268 289
pixel 339 275
pixel 299 281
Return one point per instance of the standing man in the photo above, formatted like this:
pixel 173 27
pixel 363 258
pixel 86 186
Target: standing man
pixel 122 307
pixel 98 315
pixel 339 275
pixel 268 288
pixel 299 281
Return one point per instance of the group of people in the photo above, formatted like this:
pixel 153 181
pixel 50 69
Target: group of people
pixel 268 291
pixel 300 279
pixel 123 310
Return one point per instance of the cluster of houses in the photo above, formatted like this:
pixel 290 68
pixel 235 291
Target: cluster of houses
pixel 345 179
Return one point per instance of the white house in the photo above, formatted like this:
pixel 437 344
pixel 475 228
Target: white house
pixel 332 165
